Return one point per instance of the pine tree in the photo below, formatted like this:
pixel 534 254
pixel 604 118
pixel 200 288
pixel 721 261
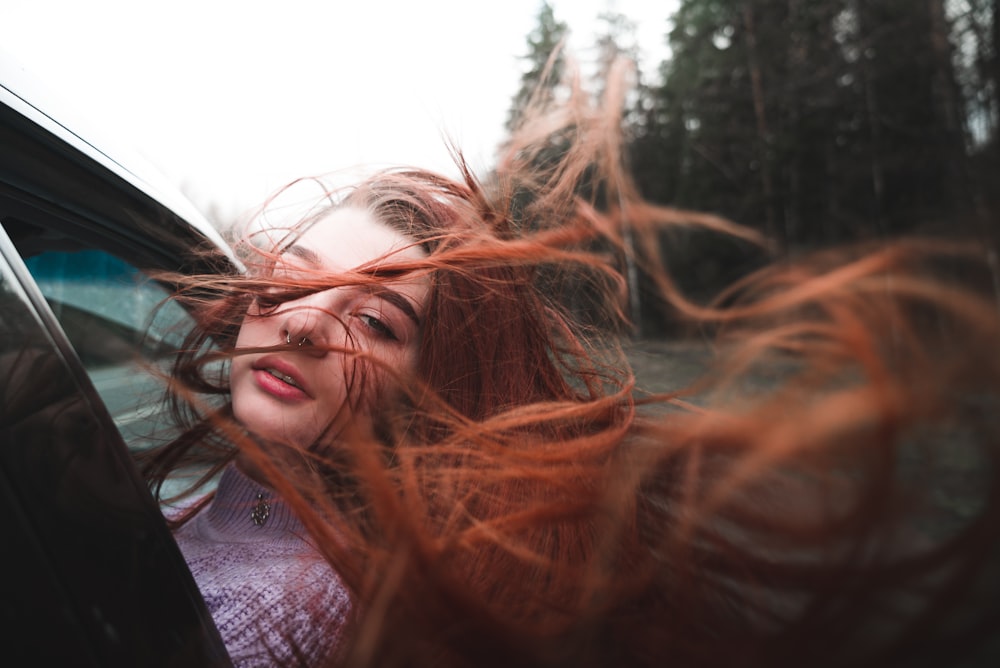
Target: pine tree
pixel 543 43
pixel 816 122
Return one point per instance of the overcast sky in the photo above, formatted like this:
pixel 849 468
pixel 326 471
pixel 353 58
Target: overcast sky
pixel 232 99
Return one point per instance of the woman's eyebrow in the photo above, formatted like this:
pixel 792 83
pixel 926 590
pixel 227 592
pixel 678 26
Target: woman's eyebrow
pixel 303 253
pixel 397 300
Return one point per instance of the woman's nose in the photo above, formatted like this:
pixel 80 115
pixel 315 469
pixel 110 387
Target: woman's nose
pixel 311 321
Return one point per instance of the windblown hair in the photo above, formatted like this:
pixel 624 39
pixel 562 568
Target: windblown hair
pixel 524 503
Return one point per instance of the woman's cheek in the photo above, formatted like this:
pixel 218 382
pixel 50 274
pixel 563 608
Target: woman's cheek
pixel 393 372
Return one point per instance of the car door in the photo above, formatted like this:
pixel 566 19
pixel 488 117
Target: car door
pixel 91 574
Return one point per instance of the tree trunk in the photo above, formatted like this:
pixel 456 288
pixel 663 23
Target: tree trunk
pixel 874 119
pixel 760 111
pixel 792 165
pixel 994 70
pixel 949 108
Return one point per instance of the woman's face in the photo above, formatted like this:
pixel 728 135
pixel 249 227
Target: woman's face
pixel 296 394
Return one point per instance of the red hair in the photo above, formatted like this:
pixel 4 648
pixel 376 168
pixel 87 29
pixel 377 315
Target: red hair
pixel 522 503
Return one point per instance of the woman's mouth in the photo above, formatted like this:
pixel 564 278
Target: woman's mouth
pixel 280 379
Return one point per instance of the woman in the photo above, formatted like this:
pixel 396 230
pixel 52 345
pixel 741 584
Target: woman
pixel 486 488
pixel 289 387
pixel 366 314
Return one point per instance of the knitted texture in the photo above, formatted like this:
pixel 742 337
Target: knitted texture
pixel 273 598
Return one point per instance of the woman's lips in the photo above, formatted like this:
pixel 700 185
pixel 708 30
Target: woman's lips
pixel 280 379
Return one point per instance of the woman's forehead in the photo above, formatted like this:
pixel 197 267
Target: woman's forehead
pixel 352 237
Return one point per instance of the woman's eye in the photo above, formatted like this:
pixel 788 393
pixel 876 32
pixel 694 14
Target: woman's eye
pixel 266 303
pixel 376 325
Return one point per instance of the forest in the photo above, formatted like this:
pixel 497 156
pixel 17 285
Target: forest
pixel 816 123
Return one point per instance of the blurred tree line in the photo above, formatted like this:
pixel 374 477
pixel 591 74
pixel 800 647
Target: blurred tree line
pixel 815 122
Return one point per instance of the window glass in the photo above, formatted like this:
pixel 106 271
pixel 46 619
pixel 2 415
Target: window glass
pixel 106 307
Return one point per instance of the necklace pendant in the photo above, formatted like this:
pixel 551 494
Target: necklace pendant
pixel 261 511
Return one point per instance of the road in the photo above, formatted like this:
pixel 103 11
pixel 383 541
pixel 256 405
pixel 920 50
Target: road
pixel 947 461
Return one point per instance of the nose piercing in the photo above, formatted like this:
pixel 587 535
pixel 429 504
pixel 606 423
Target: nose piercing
pixel 288 340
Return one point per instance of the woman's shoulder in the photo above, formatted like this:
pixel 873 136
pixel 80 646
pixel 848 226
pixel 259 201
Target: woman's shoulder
pixel 273 605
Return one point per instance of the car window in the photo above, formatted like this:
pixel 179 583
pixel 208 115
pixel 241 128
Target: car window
pixel 123 328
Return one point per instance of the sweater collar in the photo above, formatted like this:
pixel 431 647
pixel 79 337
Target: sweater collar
pixel 244 507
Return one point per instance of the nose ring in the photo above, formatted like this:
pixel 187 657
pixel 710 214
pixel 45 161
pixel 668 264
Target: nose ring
pixel 288 340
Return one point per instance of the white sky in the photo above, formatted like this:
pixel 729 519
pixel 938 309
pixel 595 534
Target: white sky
pixel 233 99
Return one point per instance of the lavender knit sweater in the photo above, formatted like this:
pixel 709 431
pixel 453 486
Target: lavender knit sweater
pixel 271 595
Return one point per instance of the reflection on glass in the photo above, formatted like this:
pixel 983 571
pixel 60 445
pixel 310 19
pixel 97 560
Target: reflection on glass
pixel 106 306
